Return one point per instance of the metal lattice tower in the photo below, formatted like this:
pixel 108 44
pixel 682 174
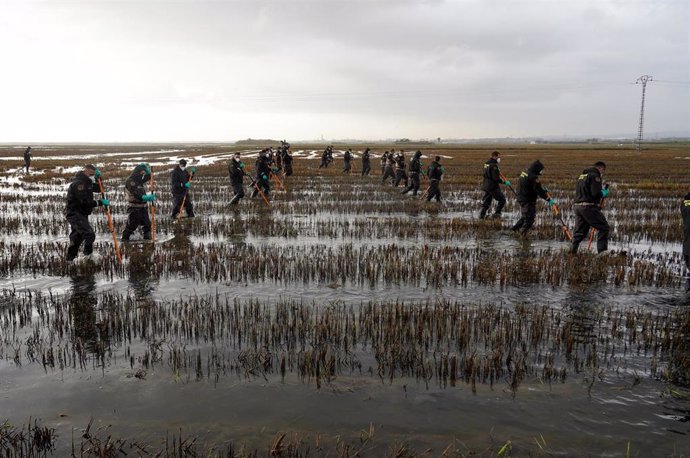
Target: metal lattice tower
pixel 642 80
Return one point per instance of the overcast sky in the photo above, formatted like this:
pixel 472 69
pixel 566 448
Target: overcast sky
pixel 219 71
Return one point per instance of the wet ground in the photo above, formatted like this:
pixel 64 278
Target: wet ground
pixel 588 360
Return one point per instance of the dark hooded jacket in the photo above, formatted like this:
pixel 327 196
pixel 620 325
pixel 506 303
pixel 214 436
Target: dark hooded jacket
pixel 236 171
pixel 134 187
pixel 416 163
pixel 365 156
pixel 347 157
pixel 588 187
pixel 492 175
pixel 178 178
pixel 263 167
pixel 685 212
pixel 80 195
pixel 435 171
pixel 529 187
pixel 400 162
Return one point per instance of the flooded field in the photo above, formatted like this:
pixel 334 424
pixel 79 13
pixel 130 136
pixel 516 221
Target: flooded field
pixel 346 318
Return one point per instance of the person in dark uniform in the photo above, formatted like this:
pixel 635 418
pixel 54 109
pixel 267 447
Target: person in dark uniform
pixel 237 173
pixel 685 212
pixel 263 171
pixel 435 173
pixel 388 170
pixel 491 188
pixel 27 158
pixel 415 170
pixel 137 202
pixel 400 166
pixel 180 185
pixel 326 157
pixel 287 161
pixel 347 161
pixel 589 192
pixel 384 161
pixel 529 188
pixel 80 204
pixel 366 162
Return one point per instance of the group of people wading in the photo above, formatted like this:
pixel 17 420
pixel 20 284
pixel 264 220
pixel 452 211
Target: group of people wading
pixel 590 193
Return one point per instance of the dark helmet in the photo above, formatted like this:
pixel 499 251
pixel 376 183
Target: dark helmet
pixel 418 154
pixel 183 163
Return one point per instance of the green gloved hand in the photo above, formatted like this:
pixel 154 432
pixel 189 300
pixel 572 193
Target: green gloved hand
pixel 551 202
pixel 604 192
pixel 193 170
pixel 97 174
pixel 187 185
pixel 148 197
pixel 242 165
pixel 104 202
pixel 507 183
pixel 264 177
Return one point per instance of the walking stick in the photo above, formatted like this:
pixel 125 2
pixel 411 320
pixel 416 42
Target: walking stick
pixel 110 222
pixel 184 198
pixel 263 196
pixel 503 177
pixel 277 181
pixel 557 215
pixel 153 208
pixel 592 230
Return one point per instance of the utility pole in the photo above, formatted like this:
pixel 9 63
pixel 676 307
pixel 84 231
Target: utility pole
pixel 642 80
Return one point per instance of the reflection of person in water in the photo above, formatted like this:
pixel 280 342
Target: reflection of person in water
pixel 82 306
pixel 141 271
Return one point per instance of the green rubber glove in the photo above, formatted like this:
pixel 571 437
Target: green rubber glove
pixel 104 202
pixel 98 173
pixel 193 170
pixel 264 177
pixel 604 193
pixel 507 183
pixel 187 185
pixel 242 165
pixel 551 202
pixel 148 197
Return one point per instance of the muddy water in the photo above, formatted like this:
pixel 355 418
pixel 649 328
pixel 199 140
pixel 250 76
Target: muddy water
pixel 624 403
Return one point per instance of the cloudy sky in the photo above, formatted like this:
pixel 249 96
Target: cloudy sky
pixel 225 70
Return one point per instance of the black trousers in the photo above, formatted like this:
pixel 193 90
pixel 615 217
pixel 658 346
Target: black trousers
pixel 489 197
pixel 366 168
pixel 586 217
pixel 414 185
pixel 324 163
pixel 528 211
pixel 81 232
pixel 288 170
pixel 387 173
pixel 347 167
pixel 399 176
pixel 137 217
pixel 434 191
pixel 177 203
pixel 239 193
pixel 27 164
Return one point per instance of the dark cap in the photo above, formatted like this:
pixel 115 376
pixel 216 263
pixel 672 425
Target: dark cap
pixel 183 162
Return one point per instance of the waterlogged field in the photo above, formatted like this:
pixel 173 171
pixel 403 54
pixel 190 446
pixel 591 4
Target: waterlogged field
pixel 346 318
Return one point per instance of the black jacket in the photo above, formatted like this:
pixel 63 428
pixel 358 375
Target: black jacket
pixel 263 167
pixel 365 157
pixel 415 165
pixel 685 211
pixel 400 162
pixel 236 171
pixel 178 178
pixel 435 171
pixel 529 187
pixel 588 187
pixel 27 155
pixel 348 156
pixel 80 195
pixel 134 186
pixel 492 175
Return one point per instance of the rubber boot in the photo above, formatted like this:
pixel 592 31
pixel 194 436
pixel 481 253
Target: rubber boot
pixel 574 247
pixel 72 252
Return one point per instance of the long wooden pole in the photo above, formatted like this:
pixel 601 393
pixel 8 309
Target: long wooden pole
pixel 110 222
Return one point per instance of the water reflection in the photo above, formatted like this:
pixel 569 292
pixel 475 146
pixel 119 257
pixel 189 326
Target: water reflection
pixel 83 302
pixel 142 278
